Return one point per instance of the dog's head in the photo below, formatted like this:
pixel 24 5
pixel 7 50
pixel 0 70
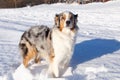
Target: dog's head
pixel 66 20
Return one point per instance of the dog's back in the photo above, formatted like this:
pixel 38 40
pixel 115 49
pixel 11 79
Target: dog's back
pixel 35 42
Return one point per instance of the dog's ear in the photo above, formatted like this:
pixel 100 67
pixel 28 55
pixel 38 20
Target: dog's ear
pixel 75 21
pixel 57 15
pixel 57 20
pixel 75 17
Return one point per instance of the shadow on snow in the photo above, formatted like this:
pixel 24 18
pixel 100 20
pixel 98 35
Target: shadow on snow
pixel 91 49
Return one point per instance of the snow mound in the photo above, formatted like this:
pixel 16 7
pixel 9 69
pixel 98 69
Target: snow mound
pixel 35 72
pixel 91 72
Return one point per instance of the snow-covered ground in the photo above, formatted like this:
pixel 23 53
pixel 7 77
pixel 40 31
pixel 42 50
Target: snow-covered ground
pixel 97 50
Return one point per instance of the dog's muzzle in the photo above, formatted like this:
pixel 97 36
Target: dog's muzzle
pixel 68 23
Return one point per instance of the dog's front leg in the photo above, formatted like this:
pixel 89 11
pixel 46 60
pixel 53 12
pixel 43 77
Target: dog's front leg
pixel 55 69
pixel 50 71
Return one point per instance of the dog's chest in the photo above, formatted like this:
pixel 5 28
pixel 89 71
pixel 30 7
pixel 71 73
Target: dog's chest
pixel 62 44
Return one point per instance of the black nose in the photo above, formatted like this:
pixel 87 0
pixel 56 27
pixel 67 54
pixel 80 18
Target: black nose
pixel 67 22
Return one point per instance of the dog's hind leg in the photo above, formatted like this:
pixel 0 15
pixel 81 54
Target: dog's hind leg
pixel 31 52
pixel 37 59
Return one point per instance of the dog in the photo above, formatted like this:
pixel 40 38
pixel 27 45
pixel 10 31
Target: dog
pixel 55 45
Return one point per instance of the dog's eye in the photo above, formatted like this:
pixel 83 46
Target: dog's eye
pixel 62 18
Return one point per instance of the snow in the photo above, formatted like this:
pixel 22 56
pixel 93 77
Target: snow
pixel 97 51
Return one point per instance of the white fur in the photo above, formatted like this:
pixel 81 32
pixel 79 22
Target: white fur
pixel 63 49
pixel 67 19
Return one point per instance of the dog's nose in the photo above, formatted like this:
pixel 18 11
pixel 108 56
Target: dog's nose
pixel 67 22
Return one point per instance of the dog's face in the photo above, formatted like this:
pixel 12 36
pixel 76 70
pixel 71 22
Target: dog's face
pixel 66 20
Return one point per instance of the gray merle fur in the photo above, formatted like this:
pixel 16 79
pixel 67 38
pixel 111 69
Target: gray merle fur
pixel 39 37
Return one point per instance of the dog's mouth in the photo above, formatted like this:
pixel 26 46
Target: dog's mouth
pixel 69 25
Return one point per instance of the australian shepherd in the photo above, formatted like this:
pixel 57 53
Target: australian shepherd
pixel 55 45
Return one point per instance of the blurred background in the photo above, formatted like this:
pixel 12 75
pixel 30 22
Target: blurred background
pixel 23 3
